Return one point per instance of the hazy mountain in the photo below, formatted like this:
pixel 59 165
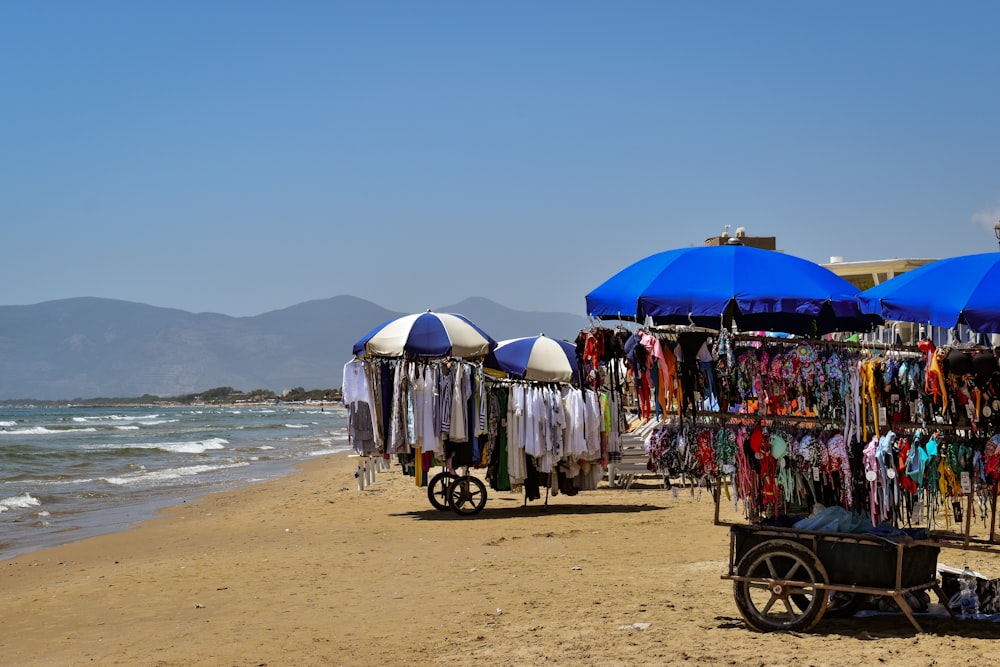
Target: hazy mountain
pixel 89 347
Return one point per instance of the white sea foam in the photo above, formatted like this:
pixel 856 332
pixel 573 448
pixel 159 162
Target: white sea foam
pixel 296 426
pixel 158 422
pixel 196 447
pixel 114 418
pixel 6 424
pixel 57 482
pixel 265 447
pixel 168 474
pixel 126 428
pixel 19 502
pixel 327 452
pixel 41 430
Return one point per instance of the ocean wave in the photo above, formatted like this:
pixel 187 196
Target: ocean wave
pixel 41 430
pixel 296 426
pixel 127 418
pixel 332 450
pixel 5 424
pixel 146 476
pixel 19 502
pixel 53 481
pixel 126 428
pixel 195 447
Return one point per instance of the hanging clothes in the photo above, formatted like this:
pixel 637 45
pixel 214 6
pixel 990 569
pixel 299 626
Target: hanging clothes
pixel 357 397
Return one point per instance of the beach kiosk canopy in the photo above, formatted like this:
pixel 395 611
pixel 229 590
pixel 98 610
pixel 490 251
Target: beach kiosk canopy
pixel 946 293
pixel 426 334
pixel 712 286
pixel 536 358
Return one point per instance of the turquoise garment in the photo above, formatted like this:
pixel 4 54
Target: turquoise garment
pixel 916 462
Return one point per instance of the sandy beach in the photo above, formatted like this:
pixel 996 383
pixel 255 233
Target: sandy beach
pixel 308 570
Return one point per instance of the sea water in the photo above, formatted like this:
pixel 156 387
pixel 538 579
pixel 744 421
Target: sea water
pixel 71 473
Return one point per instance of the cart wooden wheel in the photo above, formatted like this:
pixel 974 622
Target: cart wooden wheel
pixel 437 489
pixel 777 570
pixel 467 495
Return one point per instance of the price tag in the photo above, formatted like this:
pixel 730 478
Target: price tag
pixel 966 483
pixel 802 403
pixel 881 414
pixel 871 475
pixel 815 473
pixel 890 473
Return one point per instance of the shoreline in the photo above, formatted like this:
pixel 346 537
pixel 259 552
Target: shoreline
pixel 70 474
pixel 149 506
pixel 307 569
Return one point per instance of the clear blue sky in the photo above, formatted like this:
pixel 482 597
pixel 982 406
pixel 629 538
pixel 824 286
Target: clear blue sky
pixel 245 156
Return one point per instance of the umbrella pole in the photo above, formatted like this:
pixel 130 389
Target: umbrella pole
pixel 993 512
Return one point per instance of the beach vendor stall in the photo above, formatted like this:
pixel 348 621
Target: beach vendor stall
pixel 415 390
pixel 820 443
pixel 854 463
pixel 545 430
pixel 514 410
pixel 842 443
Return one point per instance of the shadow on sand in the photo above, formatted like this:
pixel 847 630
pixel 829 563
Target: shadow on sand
pixel 513 507
pixel 886 625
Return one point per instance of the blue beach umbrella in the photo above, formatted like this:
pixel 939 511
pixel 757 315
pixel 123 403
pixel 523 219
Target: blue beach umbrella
pixel 944 293
pixel 426 335
pixel 711 285
pixel 535 358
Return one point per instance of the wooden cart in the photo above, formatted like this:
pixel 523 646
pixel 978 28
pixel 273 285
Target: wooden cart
pixel 787 579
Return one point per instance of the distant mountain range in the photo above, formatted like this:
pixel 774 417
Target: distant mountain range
pixel 90 347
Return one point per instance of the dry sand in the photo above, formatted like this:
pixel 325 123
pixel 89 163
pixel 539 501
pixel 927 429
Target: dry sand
pixel 307 570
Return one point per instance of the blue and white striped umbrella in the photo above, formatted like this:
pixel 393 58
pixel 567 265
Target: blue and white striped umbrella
pixel 426 335
pixel 535 358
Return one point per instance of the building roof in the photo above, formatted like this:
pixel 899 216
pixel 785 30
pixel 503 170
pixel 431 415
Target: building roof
pixel 873 272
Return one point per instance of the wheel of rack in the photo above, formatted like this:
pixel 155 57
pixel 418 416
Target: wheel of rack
pixel 770 575
pixel 467 495
pixel 437 489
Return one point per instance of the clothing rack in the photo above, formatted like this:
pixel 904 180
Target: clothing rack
pixel 710 418
pixel 858 345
